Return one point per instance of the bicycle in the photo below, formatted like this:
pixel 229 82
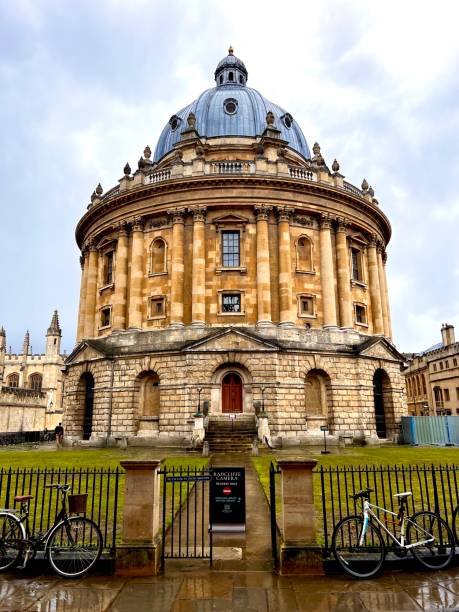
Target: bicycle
pixel 358 545
pixel 73 544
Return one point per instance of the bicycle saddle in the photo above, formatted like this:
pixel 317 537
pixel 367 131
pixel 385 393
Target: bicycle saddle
pixel 22 498
pixel 401 495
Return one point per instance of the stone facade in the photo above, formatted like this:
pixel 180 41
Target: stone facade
pixel 432 378
pixel 31 397
pixel 233 254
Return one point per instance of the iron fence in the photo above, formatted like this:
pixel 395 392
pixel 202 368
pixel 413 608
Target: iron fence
pixel 103 487
pixel 433 488
pixel 26 437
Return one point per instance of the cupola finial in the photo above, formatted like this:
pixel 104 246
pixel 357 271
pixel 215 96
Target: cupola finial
pixel 230 50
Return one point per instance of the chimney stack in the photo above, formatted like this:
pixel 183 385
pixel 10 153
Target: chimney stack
pixel 447 334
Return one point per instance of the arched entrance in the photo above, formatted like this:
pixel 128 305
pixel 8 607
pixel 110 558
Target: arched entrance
pixel 231 393
pixel 148 394
pixel 383 403
pixel 317 399
pixel 88 383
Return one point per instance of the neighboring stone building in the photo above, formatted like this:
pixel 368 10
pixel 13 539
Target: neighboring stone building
pixel 432 377
pixel 234 267
pixel 31 384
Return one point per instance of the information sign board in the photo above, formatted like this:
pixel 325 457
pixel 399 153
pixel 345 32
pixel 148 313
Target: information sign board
pixel 227 499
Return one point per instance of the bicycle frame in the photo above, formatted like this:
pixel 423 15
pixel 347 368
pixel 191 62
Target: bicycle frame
pixel 369 514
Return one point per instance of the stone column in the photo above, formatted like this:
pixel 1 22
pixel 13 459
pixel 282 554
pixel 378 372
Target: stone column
pixel 121 279
pixel 375 290
pixel 286 316
pixel 385 295
pixel 263 267
pixel 91 293
pixel 84 261
pixel 344 276
pixel 198 290
pixel 139 553
pixel 177 267
pixel 137 272
pixel 327 274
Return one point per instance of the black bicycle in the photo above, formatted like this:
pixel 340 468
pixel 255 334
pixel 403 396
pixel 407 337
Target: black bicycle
pixel 72 545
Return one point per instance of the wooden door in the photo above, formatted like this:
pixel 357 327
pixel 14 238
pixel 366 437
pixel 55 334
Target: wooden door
pixel 232 393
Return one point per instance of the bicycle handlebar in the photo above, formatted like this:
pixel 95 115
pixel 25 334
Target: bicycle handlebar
pixel 365 494
pixel 63 487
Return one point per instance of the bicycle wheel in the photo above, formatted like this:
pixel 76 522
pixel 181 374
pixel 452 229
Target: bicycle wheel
pixel 455 524
pixel 74 546
pixel 12 535
pixel 437 549
pixel 359 559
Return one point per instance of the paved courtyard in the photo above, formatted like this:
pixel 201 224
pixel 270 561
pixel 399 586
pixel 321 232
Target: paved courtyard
pixel 204 591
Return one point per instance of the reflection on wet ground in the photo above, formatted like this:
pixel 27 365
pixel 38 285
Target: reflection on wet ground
pixel 193 589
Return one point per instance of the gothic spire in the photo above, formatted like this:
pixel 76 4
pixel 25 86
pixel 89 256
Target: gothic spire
pixel 26 343
pixel 54 329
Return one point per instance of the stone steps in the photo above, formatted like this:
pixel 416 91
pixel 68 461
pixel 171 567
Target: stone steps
pixel 223 438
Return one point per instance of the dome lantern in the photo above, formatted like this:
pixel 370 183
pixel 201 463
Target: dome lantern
pixel 231 71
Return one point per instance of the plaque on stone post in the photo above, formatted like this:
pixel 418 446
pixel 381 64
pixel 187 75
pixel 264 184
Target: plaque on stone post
pixel 227 500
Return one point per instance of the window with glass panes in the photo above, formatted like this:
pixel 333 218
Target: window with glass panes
pixel 231 249
pixel 231 302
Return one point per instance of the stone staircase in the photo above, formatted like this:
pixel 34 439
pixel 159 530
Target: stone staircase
pixel 225 436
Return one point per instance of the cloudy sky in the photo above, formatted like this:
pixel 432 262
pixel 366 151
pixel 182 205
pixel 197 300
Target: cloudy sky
pixel 85 85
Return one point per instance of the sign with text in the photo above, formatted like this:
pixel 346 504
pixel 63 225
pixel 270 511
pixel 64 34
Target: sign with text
pixel 227 499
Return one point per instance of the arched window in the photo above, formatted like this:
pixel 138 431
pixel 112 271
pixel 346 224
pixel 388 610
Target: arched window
pixel 35 382
pixel 230 76
pixel 149 394
pixel 356 265
pixel 13 380
pixel 304 254
pixel 424 388
pixel 408 387
pixel 158 256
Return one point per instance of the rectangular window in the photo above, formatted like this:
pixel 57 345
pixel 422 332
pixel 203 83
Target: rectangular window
pixel 434 367
pixel 157 307
pixel 457 393
pixel 306 305
pixel 446 394
pixel 105 316
pixel 231 302
pixel 231 249
pixel 356 258
pixel 454 362
pixel 446 364
pixel 108 268
pixel 360 314
pixel 441 365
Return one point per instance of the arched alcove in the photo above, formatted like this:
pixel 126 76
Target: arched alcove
pixel 317 399
pixel 148 401
pixel 383 404
pixel 85 397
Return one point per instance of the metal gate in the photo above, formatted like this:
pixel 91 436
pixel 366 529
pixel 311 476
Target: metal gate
pixel 186 532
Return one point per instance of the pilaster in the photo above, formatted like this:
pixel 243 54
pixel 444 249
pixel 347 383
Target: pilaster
pixel 177 265
pixel 284 214
pixel 198 307
pixel 91 292
pixel 136 278
pixel 121 279
pixel 84 262
pixel 344 275
pixel 375 289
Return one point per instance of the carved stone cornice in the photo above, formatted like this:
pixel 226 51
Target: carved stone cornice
pixel 177 215
pixel 285 213
pixel 262 212
pixel 303 220
pixel 156 223
pixel 199 213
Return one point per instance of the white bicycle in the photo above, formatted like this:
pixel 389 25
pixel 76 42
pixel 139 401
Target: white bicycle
pixel 358 544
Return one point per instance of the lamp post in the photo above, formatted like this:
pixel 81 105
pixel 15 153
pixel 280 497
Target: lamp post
pixel 199 402
pixel 263 389
pixel 324 428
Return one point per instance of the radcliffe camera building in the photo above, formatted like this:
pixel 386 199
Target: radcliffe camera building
pixel 236 269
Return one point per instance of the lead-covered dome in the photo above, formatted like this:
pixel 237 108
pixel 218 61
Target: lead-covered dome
pixel 231 109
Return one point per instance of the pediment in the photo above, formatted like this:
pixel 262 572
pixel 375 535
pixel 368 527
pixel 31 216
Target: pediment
pixel 382 349
pixel 358 238
pixel 84 352
pixel 228 219
pixel 232 340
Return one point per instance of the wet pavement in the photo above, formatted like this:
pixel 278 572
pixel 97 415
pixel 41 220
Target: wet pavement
pixel 201 590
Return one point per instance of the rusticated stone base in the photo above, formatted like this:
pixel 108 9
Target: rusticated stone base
pixel 300 559
pixel 138 560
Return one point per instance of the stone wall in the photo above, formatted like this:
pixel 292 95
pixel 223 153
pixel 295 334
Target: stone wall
pixel 23 410
pixel 347 380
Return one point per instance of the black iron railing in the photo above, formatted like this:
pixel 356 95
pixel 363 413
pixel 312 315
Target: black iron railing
pixel 104 503
pixel 26 437
pixel 433 488
pixel 275 531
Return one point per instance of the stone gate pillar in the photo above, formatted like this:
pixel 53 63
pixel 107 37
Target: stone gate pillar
pixel 140 551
